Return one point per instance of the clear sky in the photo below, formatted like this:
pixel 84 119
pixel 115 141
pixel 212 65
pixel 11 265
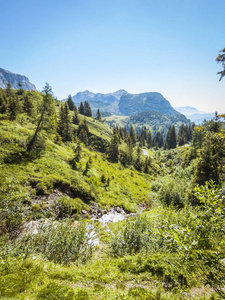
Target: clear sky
pixel 165 46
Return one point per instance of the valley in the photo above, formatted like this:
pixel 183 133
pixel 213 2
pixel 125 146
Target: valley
pixel 134 210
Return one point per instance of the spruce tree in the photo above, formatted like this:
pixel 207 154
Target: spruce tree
pixel 20 91
pixel 28 106
pixel 70 103
pixel 47 119
pixel 171 138
pixel 138 163
pixel 13 107
pixel 3 103
pixel 113 150
pixel 65 122
pixel 81 108
pixel 133 134
pixel 149 139
pixel 8 89
pixel 87 109
pixel 76 119
pixel 130 148
pixel 83 132
pixel 98 115
pixel 67 128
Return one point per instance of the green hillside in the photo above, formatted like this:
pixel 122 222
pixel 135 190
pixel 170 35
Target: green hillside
pixel 63 173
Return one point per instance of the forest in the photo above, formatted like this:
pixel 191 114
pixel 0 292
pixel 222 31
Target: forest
pixel 63 169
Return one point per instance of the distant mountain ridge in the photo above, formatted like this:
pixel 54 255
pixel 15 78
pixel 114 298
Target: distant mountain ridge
pixel 131 104
pixel 7 76
pixel 123 103
pixel 194 114
pixel 105 102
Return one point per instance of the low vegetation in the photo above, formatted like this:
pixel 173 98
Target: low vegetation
pixel 58 178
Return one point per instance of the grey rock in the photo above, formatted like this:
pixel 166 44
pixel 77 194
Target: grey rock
pixel 14 79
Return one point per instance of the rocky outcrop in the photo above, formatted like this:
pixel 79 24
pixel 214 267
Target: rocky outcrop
pixel 14 79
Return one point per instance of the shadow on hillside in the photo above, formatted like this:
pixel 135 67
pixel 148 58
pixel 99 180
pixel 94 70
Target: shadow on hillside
pixel 21 156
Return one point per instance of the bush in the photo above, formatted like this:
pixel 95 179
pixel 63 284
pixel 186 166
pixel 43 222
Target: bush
pixel 132 238
pixel 60 242
pixel 172 192
pixel 12 199
pixel 67 206
pixel 55 291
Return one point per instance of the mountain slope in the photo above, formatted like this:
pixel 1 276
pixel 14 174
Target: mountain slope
pixel 14 79
pixel 105 102
pixel 131 104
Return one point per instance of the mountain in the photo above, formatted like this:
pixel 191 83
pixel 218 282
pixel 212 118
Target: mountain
pixel 131 104
pixel 188 110
pixel 194 114
pixel 105 102
pixel 14 79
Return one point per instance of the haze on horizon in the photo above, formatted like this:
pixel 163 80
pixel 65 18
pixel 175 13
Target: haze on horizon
pixel 161 46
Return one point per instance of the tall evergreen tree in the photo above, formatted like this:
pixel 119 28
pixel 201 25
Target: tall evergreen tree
pixel 149 139
pixel 81 108
pixel 28 105
pixel 20 91
pixel 87 109
pixel 83 131
pixel 113 150
pixel 138 162
pixel 8 89
pixel 13 107
pixel 76 119
pixel 133 134
pixel 47 119
pixel 67 128
pixel 70 103
pixel 3 103
pixel 98 115
pixel 171 138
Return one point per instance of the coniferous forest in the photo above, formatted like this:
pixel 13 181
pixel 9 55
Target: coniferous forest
pixel 89 211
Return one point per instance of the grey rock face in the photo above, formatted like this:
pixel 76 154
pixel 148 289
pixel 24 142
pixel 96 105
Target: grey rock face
pixel 14 79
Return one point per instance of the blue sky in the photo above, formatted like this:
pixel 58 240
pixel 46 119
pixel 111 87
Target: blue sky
pixel 166 46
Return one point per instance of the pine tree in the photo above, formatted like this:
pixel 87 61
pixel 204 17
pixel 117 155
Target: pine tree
pixel 149 139
pixel 8 89
pixel 70 103
pixel 98 115
pixel 182 135
pixel 76 119
pixel 83 131
pixel 20 91
pixel 113 150
pixel 47 118
pixel 138 163
pixel 81 108
pixel 28 105
pixel 3 103
pixel 65 122
pixel 67 128
pixel 158 141
pixel 87 109
pixel 171 139
pixel 130 148
pixel 13 107
pixel 133 134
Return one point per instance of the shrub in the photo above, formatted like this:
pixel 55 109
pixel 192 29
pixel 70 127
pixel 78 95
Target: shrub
pixel 12 199
pixel 60 242
pixel 55 291
pixel 67 206
pixel 172 192
pixel 132 238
